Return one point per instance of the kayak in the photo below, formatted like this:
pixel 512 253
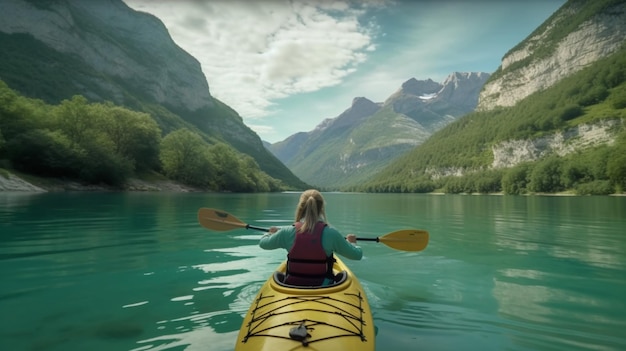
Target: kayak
pixel 284 317
pixel 335 317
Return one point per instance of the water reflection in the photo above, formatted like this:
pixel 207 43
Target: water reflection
pixel 137 272
pixel 244 265
pixel 562 274
pixel 192 340
pixel 231 281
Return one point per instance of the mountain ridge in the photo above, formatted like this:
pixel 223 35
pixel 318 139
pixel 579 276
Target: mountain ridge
pixel 547 120
pixel 364 138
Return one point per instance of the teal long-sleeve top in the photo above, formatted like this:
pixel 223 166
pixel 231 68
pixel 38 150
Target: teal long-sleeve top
pixel 332 241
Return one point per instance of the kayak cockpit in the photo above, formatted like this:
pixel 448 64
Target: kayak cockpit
pixel 340 278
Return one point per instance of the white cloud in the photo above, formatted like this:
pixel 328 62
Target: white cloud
pixel 262 129
pixel 254 52
pixel 284 65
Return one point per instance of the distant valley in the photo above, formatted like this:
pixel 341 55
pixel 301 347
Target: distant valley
pixel 367 136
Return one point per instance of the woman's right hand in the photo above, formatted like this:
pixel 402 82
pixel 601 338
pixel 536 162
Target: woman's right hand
pixel 351 238
pixel 272 230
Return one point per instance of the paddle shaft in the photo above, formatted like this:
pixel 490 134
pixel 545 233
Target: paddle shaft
pixel 404 240
pixel 248 226
pixel 368 239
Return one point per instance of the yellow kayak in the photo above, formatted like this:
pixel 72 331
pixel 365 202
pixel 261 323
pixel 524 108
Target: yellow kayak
pixel 282 317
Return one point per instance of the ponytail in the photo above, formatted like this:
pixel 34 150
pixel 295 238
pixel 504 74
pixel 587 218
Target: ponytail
pixel 310 210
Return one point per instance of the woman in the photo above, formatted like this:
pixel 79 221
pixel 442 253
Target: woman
pixel 311 243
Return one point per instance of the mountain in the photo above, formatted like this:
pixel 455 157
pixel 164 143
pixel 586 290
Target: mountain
pixel 579 34
pixel 433 105
pixel 353 146
pixel 106 51
pixel 551 118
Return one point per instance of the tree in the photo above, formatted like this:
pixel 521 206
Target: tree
pixel 488 181
pixel 17 114
pixel 576 170
pixel 2 142
pixel 594 95
pixel 135 135
pixel 515 180
pixel 74 120
pixel 570 112
pixel 255 179
pixel 546 176
pixel 230 171
pixel 616 166
pixel 102 165
pixel 46 153
pixel 185 157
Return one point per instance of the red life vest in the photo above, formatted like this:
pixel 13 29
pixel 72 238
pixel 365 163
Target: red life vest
pixel 307 263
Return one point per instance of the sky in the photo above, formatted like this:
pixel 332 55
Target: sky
pixel 285 66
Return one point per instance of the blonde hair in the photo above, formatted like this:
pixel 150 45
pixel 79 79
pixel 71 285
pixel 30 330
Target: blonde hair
pixel 310 210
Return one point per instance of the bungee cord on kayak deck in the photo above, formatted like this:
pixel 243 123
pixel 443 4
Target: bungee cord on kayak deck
pixel 356 321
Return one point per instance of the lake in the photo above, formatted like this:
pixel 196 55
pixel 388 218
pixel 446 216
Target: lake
pixel 135 271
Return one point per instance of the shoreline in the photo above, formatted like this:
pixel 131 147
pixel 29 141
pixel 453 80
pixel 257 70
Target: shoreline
pixel 9 182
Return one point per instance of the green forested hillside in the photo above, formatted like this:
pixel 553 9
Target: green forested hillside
pixel 598 92
pixel 103 143
pixel 35 70
pixel 204 122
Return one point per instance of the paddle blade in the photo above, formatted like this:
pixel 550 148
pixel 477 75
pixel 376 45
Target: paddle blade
pixel 406 240
pixel 218 220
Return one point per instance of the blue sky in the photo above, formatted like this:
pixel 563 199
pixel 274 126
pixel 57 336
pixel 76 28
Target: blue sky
pixel 285 66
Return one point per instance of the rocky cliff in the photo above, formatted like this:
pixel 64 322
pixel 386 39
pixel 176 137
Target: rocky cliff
pixel 513 152
pixel 545 58
pixel 574 37
pixel 556 105
pixel 115 41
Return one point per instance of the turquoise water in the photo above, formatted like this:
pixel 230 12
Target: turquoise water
pixel 92 271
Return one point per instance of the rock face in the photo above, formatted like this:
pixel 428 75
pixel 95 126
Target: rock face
pixel 581 34
pixel 512 152
pixel 10 182
pixel 524 71
pixel 367 136
pixel 84 29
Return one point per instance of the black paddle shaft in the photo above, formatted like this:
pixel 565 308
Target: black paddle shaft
pixel 248 226
pixel 368 239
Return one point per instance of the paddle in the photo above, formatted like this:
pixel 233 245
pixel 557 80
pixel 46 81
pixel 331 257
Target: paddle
pixel 404 240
